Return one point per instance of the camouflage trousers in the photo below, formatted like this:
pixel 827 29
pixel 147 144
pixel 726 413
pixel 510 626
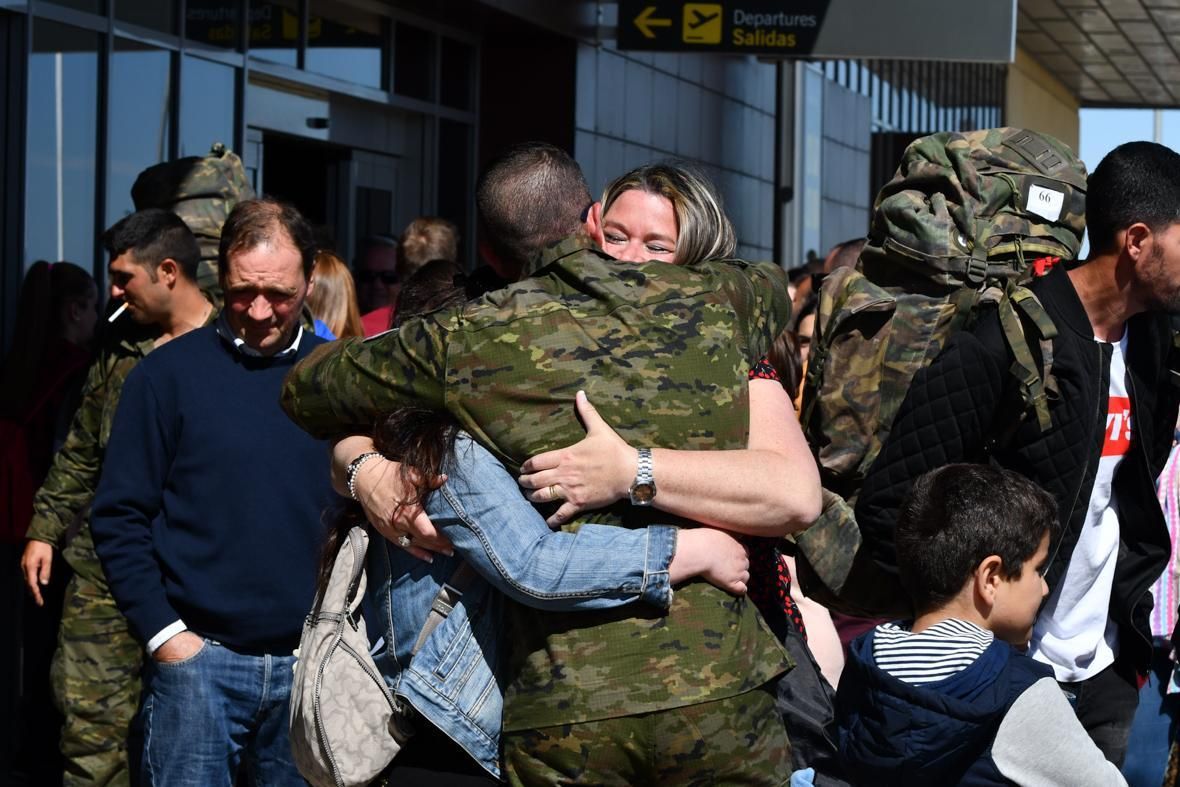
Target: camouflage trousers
pixel 96 685
pixel 736 741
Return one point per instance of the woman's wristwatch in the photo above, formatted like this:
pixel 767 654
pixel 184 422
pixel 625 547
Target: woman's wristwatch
pixel 643 488
pixel 354 467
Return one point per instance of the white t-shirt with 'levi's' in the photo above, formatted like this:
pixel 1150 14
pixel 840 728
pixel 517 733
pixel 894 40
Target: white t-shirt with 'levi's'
pixel 1074 633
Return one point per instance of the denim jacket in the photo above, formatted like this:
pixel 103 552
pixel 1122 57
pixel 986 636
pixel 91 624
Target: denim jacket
pixel 456 679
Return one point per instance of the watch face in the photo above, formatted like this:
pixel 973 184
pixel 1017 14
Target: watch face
pixel 641 494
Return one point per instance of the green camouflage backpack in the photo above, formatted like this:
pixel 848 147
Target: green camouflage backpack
pixel 202 190
pixel 957 229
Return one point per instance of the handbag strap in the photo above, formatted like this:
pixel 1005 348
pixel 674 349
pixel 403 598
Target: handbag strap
pixel 448 596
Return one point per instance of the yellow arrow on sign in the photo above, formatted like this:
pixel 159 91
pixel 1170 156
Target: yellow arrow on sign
pixel 645 22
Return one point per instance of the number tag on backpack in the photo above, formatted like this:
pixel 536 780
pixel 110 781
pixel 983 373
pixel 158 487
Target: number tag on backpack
pixel 1046 203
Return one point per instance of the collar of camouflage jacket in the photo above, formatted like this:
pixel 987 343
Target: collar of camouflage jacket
pixel 574 244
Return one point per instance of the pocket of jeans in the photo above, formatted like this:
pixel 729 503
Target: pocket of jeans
pixel 187 659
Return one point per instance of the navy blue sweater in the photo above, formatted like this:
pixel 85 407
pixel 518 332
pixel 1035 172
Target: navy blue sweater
pixel 210 507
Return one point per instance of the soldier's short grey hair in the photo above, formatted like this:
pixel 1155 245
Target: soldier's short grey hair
pixel 533 195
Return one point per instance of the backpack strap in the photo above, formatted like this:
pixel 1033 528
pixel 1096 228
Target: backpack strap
pixel 448 596
pixel 1035 380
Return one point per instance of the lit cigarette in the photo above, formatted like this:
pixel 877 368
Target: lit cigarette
pixel 118 311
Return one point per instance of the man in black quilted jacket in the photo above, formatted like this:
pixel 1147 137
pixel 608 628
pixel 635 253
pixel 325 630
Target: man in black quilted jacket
pixel 1113 418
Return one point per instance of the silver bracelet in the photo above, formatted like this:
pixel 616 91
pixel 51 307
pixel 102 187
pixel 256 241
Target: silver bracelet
pixel 354 467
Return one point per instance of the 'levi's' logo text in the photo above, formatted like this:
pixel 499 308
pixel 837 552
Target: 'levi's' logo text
pixel 1118 427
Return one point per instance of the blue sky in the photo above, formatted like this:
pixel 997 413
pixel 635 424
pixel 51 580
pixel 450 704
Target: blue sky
pixel 1102 130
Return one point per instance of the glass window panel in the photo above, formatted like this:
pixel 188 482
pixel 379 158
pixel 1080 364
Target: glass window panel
pixel 206 106
pixel 274 31
pixel 346 43
pixel 413 62
pixel 373 210
pixel 458 73
pixel 61 145
pixel 454 171
pixel 212 22
pixel 155 14
pixel 140 119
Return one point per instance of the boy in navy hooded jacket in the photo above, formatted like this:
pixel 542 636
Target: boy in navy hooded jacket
pixel 950 697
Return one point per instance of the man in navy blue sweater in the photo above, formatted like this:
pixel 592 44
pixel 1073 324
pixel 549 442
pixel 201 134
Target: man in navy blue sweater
pixel 208 516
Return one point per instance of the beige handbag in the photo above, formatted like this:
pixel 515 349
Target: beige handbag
pixel 346 725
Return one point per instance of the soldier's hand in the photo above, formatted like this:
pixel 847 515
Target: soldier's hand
pixel 180 647
pixel 36 564
pixel 592 473
pixel 390 505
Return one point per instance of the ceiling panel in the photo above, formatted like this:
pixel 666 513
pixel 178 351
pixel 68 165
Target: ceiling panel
pixel 1157 54
pixel 1106 51
pixel 1093 20
pixel 1168 19
pixel 1042 9
pixel 1064 31
pixel 1143 32
pixel 1112 43
pixel 1123 10
pixel 1130 64
pixel 1036 43
pixel 1104 73
pixel 1086 52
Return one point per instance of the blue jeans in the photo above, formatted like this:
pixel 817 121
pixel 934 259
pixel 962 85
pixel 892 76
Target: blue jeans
pixel 206 714
pixel 1154 727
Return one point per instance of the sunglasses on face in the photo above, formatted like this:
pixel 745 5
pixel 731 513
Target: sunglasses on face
pixel 368 277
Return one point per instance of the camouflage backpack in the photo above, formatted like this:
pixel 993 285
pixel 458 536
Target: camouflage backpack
pixel 957 229
pixel 202 190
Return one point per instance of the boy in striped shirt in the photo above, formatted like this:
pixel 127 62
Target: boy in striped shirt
pixel 950 697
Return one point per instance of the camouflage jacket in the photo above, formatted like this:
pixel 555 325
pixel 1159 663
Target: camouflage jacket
pixel 65 496
pixel 663 352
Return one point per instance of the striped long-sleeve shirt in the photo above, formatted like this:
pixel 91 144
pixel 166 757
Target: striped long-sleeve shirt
pixel 938 652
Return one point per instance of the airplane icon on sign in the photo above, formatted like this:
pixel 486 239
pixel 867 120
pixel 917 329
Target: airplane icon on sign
pixel 699 19
pixel 701 23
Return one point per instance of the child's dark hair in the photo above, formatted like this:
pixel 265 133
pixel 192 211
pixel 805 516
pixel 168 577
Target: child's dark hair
pixel 959 514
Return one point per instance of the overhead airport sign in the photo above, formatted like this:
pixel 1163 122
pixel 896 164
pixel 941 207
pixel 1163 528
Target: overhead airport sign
pixel 871 29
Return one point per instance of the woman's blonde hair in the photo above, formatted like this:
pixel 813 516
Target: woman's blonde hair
pixel 427 238
pixel 704 232
pixel 333 300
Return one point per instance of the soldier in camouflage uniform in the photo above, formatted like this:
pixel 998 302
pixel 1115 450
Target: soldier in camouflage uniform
pixel 664 352
pixel 96 668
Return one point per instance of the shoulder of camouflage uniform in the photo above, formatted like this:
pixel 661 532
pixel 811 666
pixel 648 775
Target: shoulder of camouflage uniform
pixel 745 268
